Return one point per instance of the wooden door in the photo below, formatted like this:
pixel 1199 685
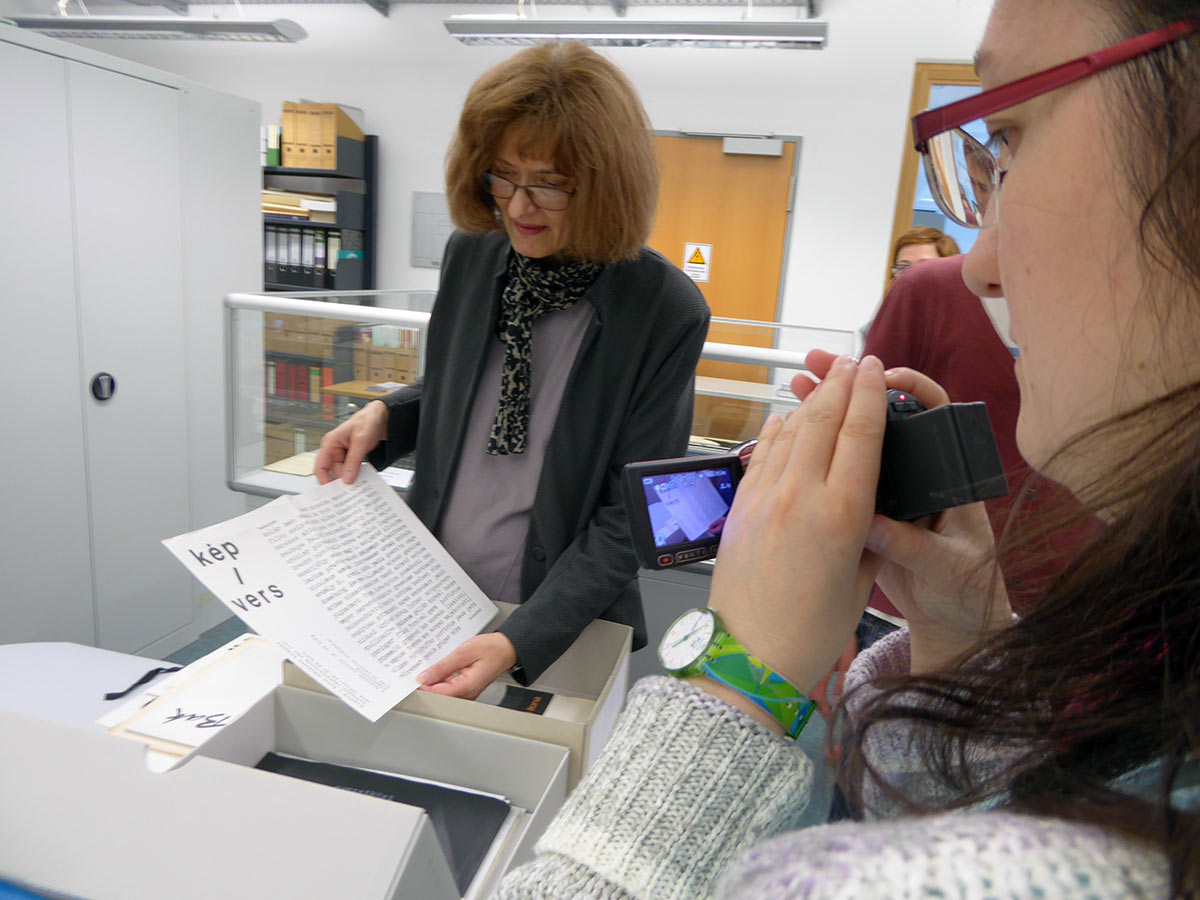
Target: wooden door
pixel 734 208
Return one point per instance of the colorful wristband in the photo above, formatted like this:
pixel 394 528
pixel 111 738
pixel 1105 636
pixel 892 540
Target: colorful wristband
pixel 728 663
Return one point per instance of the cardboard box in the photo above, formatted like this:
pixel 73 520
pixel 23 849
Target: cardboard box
pixel 383 361
pixel 319 345
pixel 319 336
pixel 271 336
pixel 84 817
pixel 311 132
pixel 291 342
pixel 405 365
pixel 595 667
pixel 279 442
pixel 391 364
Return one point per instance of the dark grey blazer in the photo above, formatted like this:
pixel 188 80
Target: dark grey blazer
pixel 628 398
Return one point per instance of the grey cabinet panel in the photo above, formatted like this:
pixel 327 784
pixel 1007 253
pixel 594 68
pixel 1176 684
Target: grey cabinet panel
pixel 45 556
pixel 125 148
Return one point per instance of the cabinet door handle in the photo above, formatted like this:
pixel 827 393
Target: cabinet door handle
pixel 103 386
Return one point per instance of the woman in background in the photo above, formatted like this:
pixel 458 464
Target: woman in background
pixel 918 245
pixel 559 349
pixel 1057 755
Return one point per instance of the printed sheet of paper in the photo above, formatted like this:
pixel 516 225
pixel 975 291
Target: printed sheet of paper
pixel 693 502
pixel 347 581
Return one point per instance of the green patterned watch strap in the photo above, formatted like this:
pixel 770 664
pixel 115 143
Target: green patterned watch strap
pixel 728 663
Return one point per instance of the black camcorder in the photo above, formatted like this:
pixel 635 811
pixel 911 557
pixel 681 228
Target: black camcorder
pixel 932 460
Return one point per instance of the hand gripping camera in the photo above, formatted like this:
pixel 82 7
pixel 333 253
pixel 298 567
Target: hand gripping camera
pixel 932 460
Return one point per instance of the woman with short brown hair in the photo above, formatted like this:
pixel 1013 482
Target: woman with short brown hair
pixel 919 244
pixel 566 97
pixel 559 349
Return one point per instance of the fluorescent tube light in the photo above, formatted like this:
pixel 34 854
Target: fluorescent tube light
pixel 163 27
pixel 640 33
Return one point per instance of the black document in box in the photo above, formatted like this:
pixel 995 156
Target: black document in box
pixel 347 581
pixel 465 822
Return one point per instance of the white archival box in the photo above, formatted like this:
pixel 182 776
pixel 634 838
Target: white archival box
pixel 595 667
pixel 84 817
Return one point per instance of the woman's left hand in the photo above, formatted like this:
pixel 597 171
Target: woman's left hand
pixel 792 577
pixel 470 667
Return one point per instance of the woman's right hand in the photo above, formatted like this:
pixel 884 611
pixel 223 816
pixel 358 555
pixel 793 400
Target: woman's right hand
pixel 938 571
pixel 344 448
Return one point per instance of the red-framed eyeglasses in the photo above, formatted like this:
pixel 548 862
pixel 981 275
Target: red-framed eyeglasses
pixel 963 173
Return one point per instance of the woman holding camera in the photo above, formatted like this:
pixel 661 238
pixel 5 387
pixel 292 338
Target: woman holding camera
pixel 559 349
pixel 1051 756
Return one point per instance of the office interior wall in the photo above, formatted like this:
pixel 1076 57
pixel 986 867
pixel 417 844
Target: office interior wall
pixel 848 102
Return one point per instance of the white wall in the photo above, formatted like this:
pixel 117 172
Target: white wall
pixel 848 102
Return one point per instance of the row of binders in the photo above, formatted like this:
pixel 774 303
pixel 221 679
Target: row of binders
pixel 308 257
pixel 298 381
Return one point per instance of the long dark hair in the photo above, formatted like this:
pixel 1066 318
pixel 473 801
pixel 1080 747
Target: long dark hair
pixel 1102 678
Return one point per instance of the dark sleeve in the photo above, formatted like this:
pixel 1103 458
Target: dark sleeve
pixel 596 568
pixel 899 333
pixel 404 412
pixel 404 404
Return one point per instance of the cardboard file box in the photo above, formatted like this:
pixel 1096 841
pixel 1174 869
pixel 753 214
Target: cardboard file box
pixel 83 816
pixel 595 667
pixel 313 135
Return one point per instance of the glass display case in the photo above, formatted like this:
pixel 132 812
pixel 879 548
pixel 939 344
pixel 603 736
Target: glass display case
pixel 299 364
pixel 745 373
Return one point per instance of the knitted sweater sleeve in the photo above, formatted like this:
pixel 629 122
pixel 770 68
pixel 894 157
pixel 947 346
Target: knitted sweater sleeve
pixel 684 785
pixel 692 799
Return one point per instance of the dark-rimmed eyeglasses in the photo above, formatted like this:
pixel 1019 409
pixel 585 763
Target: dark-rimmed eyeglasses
pixel 543 197
pixel 965 174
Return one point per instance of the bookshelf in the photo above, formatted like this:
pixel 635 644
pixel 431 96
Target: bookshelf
pixel 354 185
pixel 317 370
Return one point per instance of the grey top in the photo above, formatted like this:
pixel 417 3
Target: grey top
pixel 487 512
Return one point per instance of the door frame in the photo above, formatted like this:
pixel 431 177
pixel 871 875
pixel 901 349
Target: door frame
pixel 925 76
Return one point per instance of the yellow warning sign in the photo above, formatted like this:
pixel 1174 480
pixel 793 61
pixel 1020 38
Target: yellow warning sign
pixel 697 261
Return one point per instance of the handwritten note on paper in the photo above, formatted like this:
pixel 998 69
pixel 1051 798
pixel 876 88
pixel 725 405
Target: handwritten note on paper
pixel 213 697
pixel 347 581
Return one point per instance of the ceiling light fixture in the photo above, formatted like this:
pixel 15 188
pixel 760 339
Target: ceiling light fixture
pixel 739 33
pixel 163 28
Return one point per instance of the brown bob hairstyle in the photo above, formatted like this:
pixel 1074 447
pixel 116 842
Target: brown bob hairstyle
pixel 925 234
pixel 575 108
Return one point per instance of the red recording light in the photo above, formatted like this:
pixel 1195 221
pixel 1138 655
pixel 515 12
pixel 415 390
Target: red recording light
pixel 903 397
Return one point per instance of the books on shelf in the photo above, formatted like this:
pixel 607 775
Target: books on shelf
pixel 269 138
pixel 280 205
pixel 298 202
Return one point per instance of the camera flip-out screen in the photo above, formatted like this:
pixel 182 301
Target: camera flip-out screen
pixel 678 507
pixel 931 460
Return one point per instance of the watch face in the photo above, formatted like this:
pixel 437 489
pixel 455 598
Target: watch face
pixel 686 639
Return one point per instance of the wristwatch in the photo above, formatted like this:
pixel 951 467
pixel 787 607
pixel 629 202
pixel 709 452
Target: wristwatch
pixel 697 644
